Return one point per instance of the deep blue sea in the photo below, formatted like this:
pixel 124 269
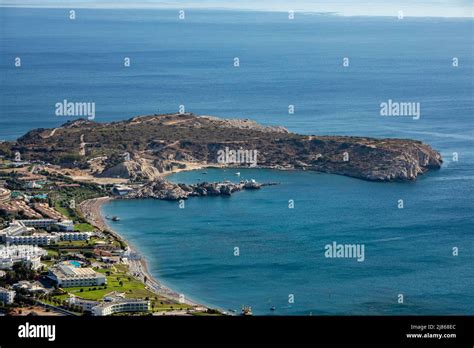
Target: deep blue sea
pixel 407 251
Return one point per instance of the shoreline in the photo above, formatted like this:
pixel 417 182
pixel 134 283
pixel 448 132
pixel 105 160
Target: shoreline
pixel 91 210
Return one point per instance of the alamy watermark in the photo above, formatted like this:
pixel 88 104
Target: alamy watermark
pixel 393 108
pixel 346 251
pixel 240 156
pixel 79 109
pixel 37 331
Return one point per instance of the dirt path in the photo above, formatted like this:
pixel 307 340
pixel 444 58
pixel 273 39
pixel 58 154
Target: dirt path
pixel 50 134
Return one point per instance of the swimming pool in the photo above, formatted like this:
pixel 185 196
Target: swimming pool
pixel 75 263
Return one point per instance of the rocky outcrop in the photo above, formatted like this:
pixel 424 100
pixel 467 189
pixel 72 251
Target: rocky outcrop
pixel 244 124
pixel 377 160
pixel 136 169
pixel 165 190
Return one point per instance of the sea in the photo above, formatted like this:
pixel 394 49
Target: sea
pixel 268 248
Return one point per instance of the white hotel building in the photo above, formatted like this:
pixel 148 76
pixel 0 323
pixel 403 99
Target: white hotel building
pixel 74 235
pixel 38 223
pixel 69 276
pixel 7 296
pixel 121 305
pixel 66 225
pixel 28 254
pixel 86 305
pixel 14 229
pixel 22 232
pixel 33 239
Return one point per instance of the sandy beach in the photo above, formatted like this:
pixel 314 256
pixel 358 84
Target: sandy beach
pixel 91 210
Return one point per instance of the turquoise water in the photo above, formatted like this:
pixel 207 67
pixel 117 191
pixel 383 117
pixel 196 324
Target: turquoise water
pixel 75 263
pixel 408 250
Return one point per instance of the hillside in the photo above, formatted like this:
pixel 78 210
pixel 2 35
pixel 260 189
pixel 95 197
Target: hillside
pixel 159 143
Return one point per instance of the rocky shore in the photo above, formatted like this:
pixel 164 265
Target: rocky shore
pixel 165 190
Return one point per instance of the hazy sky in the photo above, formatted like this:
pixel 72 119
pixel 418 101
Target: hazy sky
pixel 418 8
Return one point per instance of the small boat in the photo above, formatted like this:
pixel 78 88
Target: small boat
pixel 238 173
pixel 272 308
pixel 114 218
pixel 246 311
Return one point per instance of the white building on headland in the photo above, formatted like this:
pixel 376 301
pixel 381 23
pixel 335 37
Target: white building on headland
pixel 7 296
pixel 69 276
pixel 118 304
pixel 27 254
pixel 121 190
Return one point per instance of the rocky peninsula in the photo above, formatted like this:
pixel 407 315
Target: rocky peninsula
pixel 165 190
pixel 144 148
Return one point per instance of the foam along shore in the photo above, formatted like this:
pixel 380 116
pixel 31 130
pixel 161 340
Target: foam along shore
pixel 91 210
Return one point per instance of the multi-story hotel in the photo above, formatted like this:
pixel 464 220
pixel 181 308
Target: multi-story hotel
pixel 14 229
pixel 74 235
pixel 121 305
pixel 28 254
pixel 19 233
pixel 66 225
pixel 33 239
pixel 86 305
pixel 7 296
pixel 46 238
pixel 69 276
pixel 38 223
